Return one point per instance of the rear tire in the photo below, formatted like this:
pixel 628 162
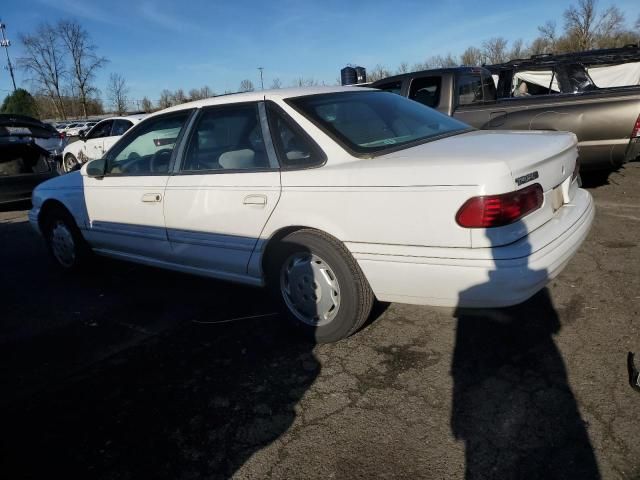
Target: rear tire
pixel 65 243
pixel 319 284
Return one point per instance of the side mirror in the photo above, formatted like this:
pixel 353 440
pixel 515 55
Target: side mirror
pixel 82 135
pixel 95 168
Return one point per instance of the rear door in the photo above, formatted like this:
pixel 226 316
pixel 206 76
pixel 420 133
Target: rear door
pixel 224 191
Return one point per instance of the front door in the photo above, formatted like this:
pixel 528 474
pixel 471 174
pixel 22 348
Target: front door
pixel 125 207
pixel 93 144
pixel 224 191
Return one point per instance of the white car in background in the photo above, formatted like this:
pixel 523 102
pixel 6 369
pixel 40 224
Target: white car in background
pixel 332 196
pixel 94 143
pixel 79 127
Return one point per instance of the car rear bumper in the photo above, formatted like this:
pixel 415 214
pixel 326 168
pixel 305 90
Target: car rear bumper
pixel 485 277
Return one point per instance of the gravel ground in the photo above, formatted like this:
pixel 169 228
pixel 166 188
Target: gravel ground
pixel 128 372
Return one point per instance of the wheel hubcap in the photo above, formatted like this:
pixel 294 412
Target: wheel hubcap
pixel 69 163
pixel 310 289
pixel 62 244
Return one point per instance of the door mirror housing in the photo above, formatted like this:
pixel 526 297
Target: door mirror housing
pixel 82 135
pixel 95 168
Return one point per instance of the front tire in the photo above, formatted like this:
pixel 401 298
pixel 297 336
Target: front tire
pixel 320 285
pixel 66 245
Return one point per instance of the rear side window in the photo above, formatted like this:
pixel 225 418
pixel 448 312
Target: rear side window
pixel 294 148
pixel 227 138
pixel 426 91
pixel 392 87
pixel 469 89
pixel 119 127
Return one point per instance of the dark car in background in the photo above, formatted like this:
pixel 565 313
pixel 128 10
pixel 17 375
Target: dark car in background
pixel 30 152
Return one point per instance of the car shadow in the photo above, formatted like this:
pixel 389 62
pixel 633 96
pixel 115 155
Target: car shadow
pixel 512 405
pixel 144 374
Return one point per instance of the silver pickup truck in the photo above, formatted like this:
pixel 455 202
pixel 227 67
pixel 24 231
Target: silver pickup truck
pixel 605 120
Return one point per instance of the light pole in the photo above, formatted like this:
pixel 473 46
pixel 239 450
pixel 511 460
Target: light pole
pixel 261 82
pixel 6 44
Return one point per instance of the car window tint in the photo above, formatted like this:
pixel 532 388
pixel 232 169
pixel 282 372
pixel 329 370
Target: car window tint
pixel 102 129
pixel 119 127
pixel 295 149
pixel 469 89
pixel 393 87
pixel 227 138
pixel 148 150
pixel 426 90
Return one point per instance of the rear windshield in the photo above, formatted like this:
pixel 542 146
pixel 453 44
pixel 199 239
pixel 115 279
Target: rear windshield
pixel 375 122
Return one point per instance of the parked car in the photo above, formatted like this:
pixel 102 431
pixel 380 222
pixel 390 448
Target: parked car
pixel 333 196
pixel 28 151
pixel 79 127
pixel 94 143
pixel 605 120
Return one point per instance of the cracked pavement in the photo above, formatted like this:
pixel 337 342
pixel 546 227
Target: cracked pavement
pixel 128 372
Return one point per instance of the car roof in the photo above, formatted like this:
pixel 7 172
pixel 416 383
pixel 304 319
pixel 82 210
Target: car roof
pixel 274 94
pixel 134 118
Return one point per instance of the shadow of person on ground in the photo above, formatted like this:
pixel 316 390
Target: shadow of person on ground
pixel 195 401
pixel 512 403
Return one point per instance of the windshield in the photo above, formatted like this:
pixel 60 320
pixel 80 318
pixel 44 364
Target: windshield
pixel 374 122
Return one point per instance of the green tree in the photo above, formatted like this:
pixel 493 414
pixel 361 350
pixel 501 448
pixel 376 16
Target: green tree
pixel 20 102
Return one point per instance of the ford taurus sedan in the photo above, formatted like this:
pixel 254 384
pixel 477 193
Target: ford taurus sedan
pixel 333 197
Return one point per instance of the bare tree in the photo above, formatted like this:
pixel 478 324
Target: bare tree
pixel 146 105
pixel 585 27
pixel 84 60
pixel 178 97
pixel 44 62
pixel 200 93
pixel 377 73
pixel 305 82
pixel 276 83
pixel 517 50
pixel 548 38
pixel 472 56
pixel 402 68
pixel 165 99
pixel 438 61
pixel 117 91
pixel 246 86
pixel 494 50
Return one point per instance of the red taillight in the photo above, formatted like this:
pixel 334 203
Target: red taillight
pixel 62 135
pixel 498 210
pixel 635 133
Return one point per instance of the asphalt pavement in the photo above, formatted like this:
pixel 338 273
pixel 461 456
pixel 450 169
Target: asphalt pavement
pixel 128 372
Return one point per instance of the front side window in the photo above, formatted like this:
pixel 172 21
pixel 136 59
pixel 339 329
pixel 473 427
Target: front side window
pixel 469 88
pixel 375 122
pixel 426 91
pixel 149 149
pixel 101 130
pixel 120 127
pixel 227 138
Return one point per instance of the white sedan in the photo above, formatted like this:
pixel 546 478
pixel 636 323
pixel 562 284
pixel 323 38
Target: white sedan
pixel 94 143
pixel 332 197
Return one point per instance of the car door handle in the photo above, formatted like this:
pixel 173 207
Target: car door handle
pixel 259 200
pixel 151 197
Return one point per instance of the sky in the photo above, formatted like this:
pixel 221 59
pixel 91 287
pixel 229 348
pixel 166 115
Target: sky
pixel 170 44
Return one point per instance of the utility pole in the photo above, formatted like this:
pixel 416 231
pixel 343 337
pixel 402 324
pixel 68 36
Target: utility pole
pixel 261 82
pixel 6 44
